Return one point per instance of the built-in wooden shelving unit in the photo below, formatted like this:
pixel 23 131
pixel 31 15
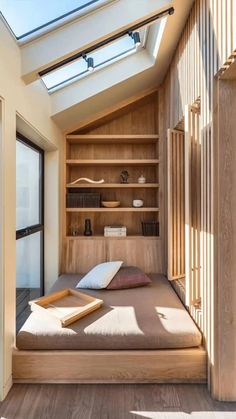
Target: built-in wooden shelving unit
pixel 104 157
pixel 127 140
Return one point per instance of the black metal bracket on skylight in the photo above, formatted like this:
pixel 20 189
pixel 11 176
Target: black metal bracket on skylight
pixel 136 38
pixel 90 62
pixel 132 29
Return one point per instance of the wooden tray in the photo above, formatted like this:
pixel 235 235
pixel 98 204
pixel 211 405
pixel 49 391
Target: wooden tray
pixel 67 305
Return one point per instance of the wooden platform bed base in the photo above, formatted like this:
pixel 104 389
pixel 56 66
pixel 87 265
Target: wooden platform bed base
pixel 140 366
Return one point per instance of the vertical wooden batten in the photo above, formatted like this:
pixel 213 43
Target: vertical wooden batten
pixel 193 181
pixel 175 205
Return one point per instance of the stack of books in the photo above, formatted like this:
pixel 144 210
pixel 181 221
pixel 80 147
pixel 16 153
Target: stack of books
pixel 115 231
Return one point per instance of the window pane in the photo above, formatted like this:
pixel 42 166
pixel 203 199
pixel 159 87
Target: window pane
pixel 28 261
pixel 27 186
pixel 28 274
pixel 24 16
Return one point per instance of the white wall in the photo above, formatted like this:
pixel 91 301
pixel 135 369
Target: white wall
pixel 28 108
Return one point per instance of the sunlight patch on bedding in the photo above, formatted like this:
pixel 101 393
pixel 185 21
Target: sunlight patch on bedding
pixel 169 317
pixel 119 321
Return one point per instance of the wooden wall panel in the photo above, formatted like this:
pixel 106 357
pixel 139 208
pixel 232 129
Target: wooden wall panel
pixel 175 205
pixel 140 118
pixel 146 253
pixel 224 354
pixel 82 255
pixel 206 45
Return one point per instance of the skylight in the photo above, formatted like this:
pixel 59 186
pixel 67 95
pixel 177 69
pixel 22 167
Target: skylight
pixel 28 18
pixel 77 69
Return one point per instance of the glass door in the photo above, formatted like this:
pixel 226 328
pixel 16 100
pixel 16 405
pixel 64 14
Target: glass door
pixel 29 226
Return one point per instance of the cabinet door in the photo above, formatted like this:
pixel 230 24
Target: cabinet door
pixel 175 204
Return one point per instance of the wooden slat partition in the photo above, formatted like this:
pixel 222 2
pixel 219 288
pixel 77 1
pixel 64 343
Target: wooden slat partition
pixel 175 175
pixel 208 42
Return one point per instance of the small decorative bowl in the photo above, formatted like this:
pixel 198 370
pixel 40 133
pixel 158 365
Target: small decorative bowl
pixel 110 204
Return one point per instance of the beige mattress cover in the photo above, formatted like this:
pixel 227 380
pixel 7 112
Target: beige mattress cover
pixel 150 317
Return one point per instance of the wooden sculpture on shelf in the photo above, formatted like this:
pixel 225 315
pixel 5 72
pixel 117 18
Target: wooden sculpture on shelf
pixel 85 179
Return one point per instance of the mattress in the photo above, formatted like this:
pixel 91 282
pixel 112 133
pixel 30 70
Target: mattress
pixel 150 317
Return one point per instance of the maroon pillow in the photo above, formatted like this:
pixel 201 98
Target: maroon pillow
pixel 128 277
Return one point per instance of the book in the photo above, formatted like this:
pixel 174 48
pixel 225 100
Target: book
pixel 115 231
pixel 115 234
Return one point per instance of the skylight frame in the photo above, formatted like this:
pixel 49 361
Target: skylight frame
pixel 123 54
pixel 88 7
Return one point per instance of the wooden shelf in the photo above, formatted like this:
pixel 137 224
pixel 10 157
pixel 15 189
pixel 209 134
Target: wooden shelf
pixel 114 185
pixel 104 139
pixel 101 237
pixel 115 162
pixel 118 209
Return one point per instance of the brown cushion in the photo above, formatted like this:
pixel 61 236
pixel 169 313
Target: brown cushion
pixel 128 277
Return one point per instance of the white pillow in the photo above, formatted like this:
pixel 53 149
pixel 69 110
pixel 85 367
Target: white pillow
pixel 100 276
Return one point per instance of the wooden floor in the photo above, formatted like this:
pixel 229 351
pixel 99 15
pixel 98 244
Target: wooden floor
pixel 28 401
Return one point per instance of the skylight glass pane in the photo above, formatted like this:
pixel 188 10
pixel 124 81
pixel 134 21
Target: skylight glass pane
pixel 69 72
pixel 28 16
pixel 102 57
pixel 113 50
